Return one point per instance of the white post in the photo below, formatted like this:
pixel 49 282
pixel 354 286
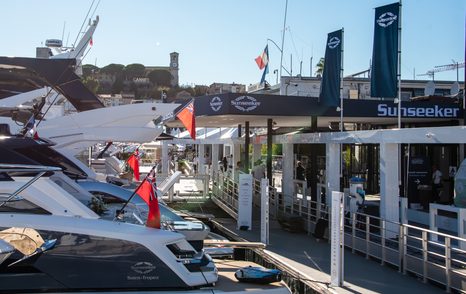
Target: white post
pixel 89 150
pixel 236 157
pixel 215 159
pixel 165 159
pixel 287 176
pixel 245 202
pixel 332 168
pixel 389 190
pixel 337 242
pixel 404 210
pixel 256 153
pixel 265 211
pixel 201 160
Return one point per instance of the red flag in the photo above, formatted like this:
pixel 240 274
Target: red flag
pixel 91 42
pixel 147 193
pixel 133 162
pixel 188 118
pixel 263 59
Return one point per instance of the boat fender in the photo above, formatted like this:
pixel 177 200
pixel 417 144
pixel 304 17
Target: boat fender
pixel 260 275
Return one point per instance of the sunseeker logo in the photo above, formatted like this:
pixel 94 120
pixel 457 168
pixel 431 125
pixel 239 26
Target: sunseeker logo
pixel 216 103
pixel 245 103
pixel 434 111
pixel 386 19
pixel 333 43
pixel 143 267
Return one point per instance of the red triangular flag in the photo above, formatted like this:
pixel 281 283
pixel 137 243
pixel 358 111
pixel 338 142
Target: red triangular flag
pixel 91 42
pixel 133 162
pixel 188 118
pixel 147 193
pixel 153 219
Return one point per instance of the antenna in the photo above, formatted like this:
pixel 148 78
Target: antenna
pixel 63 32
pixel 429 90
pixel 446 67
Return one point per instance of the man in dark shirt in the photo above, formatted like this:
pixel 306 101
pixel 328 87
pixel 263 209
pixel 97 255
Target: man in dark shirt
pixel 300 171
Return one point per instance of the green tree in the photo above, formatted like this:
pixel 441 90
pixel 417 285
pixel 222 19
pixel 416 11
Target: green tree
pixel 200 90
pixel 117 86
pixel 89 70
pixel 320 67
pixel 91 83
pixel 160 77
pixel 276 149
pixel 135 70
pixel 113 69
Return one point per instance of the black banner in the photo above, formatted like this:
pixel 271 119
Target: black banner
pixel 276 105
pixel 385 52
pixel 330 87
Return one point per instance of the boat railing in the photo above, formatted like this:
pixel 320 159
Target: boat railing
pixel 38 170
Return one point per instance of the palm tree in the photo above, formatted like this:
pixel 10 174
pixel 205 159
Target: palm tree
pixel 320 67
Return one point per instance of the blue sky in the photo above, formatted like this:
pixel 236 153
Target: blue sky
pixel 219 39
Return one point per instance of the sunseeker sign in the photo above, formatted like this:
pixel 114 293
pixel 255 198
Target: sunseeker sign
pixel 245 103
pixel 434 111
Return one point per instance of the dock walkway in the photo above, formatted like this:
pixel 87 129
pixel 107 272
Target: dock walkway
pixel 312 258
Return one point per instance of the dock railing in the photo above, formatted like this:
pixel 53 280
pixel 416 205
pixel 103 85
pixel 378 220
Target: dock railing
pixel 408 248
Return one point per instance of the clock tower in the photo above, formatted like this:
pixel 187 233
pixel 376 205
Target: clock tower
pixel 174 68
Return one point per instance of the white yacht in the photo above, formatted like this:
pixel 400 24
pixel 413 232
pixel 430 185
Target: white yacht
pixel 62 245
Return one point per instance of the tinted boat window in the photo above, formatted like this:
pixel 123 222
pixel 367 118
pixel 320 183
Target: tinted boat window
pixel 20 205
pixel 47 156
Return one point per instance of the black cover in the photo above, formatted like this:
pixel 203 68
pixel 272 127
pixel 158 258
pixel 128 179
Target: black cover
pixel 20 75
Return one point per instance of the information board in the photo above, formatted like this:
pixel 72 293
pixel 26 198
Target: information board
pixel 245 202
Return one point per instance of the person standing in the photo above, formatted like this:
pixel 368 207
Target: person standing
pixel 224 164
pixel 195 164
pixel 300 171
pixel 259 170
pixel 436 183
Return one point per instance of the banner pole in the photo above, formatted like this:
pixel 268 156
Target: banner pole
pixel 399 66
pixel 341 81
pixel 341 106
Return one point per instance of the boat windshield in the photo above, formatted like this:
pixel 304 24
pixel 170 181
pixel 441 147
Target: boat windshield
pixel 45 155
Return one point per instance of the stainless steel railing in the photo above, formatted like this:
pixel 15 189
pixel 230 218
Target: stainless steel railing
pixel 409 248
pixel 39 170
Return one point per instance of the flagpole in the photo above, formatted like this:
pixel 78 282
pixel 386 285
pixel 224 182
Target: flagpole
pixel 399 66
pixel 341 81
pixel 341 106
pixel 121 211
pixel 283 39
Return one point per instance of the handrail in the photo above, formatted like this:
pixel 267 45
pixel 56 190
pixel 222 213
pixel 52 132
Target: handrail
pixel 40 169
pixel 5 167
pixel 435 232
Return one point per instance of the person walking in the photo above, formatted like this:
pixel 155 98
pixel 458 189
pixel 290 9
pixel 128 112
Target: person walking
pixel 436 183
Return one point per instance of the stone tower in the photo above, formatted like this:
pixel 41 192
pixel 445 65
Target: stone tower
pixel 174 68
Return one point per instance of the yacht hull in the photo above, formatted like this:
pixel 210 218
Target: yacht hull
pixel 86 262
